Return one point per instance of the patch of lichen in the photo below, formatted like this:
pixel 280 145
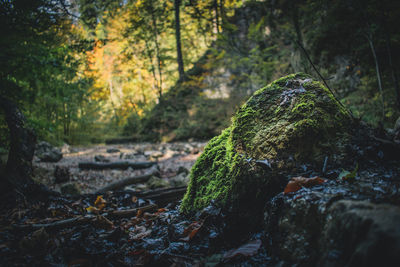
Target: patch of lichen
pixel 293 117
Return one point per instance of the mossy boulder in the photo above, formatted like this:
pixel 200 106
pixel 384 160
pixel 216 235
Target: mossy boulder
pixel 292 121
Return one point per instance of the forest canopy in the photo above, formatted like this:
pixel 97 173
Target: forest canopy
pixel 86 70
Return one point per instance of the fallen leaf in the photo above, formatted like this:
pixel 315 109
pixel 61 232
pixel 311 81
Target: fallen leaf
pixel 191 231
pixel 139 213
pixel 246 250
pixel 134 199
pixel 136 252
pixel 162 210
pixel 296 183
pixel 103 222
pixel 92 209
pixel 139 233
pixel 100 203
pixel 348 176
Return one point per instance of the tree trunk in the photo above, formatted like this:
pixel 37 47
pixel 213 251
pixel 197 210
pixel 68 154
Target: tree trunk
pixel 153 70
pixel 177 4
pixel 158 56
pixel 392 68
pixel 378 74
pixel 18 172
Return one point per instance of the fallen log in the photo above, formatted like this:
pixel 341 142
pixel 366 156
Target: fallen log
pixel 122 140
pixel 127 181
pixel 163 196
pixel 115 165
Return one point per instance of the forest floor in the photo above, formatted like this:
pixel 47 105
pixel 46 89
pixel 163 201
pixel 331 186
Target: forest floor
pixel 140 225
pixel 171 159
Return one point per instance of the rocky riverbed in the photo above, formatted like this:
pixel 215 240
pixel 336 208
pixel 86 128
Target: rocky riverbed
pixel 173 160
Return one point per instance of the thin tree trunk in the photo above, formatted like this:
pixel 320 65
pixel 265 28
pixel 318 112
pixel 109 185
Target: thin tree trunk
pixel 216 15
pixel 378 74
pixel 181 69
pixel 296 25
pixel 392 67
pixel 155 34
pixel 153 70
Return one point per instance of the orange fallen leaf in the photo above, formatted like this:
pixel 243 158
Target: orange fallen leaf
pixel 134 199
pixel 296 183
pixel 137 252
pixel 161 211
pixel 100 203
pixel 139 213
pixel 191 231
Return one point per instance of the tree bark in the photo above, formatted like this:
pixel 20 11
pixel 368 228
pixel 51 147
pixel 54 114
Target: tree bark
pixel 18 172
pixel 177 4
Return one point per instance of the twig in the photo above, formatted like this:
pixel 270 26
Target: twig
pixel 60 224
pixel 86 219
pixel 325 164
pixel 130 212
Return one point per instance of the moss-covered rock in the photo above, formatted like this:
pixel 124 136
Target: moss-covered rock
pixel 293 120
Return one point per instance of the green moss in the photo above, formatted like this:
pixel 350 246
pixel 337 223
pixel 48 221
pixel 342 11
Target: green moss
pixel 293 117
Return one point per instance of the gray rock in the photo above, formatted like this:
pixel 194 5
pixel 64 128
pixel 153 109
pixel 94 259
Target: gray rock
pixel 101 158
pixel 112 150
pixel 153 155
pixel 181 179
pixel 182 169
pixel 61 174
pixel 70 189
pixel 328 225
pixel 47 153
pixel 359 233
pixel 156 182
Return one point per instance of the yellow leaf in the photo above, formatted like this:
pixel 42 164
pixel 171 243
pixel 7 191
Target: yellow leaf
pixel 91 209
pixel 100 203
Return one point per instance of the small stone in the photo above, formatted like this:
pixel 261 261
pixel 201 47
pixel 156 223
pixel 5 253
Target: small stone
pixel 153 155
pixel 101 158
pixel 156 182
pixel 70 189
pixel 181 179
pixel 61 174
pixel 182 169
